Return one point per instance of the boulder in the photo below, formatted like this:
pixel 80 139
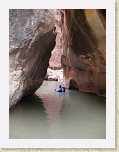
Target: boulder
pixel 31 40
pixel 54 75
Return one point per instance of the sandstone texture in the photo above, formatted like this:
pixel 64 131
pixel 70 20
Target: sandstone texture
pixel 84 50
pixel 80 38
pixel 55 60
pixel 31 40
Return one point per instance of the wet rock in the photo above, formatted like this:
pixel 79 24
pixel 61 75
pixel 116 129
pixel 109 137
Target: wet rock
pixel 31 40
pixel 84 50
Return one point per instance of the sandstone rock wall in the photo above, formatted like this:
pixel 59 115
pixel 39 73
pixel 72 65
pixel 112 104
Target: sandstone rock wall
pixel 32 37
pixel 31 40
pixel 55 60
pixel 84 50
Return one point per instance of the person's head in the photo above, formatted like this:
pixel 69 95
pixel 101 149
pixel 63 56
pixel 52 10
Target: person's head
pixel 59 86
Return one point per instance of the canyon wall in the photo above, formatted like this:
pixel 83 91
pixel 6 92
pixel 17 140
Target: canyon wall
pixel 84 50
pixel 31 40
pixel 81 42
pixel 55 60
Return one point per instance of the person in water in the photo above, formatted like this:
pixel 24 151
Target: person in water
pixel 61 89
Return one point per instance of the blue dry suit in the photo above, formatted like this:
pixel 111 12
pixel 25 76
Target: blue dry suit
pixel 60 89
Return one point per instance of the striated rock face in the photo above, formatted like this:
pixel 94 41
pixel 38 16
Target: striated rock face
pixel 31 41
pixel 55 60
pixel 84 50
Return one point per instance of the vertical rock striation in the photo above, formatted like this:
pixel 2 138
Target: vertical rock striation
pixel 31 40
pixel 55 60
pixel 84 50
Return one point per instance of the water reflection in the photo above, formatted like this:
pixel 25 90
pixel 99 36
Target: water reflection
pixel 73 115
pixel 85 118
pixel 52 110
pixel 52 115
pixel 27 119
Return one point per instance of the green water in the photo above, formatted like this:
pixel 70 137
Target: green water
pixel 50 115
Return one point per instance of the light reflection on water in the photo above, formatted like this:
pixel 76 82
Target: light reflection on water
pixel 52 115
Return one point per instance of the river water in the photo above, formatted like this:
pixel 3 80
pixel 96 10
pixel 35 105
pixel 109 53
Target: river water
pixel 51 115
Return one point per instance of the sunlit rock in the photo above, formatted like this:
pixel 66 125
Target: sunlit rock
pixel 54 75
pixel 55 60
pixel 31 40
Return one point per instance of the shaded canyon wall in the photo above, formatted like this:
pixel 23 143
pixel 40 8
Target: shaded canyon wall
pixel 84 50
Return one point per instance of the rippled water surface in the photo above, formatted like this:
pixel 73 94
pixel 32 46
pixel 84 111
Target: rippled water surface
pixel 51 115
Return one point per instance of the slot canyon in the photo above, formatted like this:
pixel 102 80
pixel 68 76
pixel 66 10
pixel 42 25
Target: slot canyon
pixel 76 39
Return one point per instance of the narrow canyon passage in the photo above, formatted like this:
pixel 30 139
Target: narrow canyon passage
pixel 66 45
pixel 79 38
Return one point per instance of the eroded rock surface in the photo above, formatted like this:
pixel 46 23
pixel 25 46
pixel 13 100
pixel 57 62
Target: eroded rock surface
pixel 32 37
pixel 55 60
pixel 84 50
pixel 31 40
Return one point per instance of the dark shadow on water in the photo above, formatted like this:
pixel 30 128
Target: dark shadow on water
pixel 30 119
pixel 28 104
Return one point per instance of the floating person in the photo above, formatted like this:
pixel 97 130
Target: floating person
pixel 61 89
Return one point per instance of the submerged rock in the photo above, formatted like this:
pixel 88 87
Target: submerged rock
pixel 31 40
